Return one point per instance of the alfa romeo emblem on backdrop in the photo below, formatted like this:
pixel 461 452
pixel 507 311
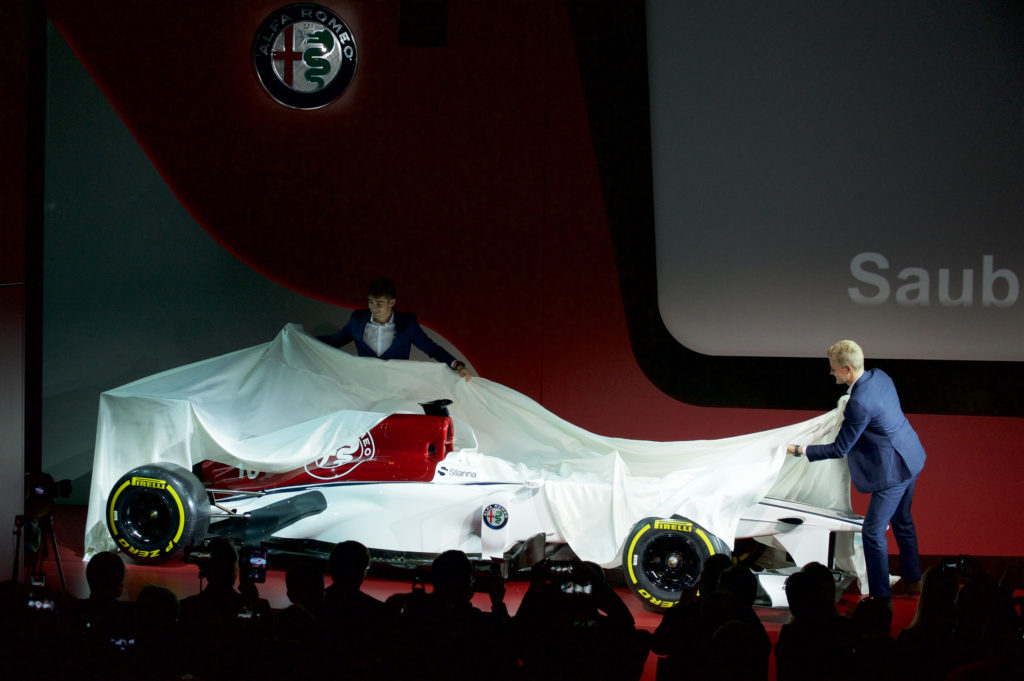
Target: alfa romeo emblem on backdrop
pixel 304 55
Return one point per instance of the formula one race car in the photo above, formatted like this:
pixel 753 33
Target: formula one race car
pixel 415 484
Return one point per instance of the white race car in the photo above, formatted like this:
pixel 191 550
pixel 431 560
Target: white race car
pixel 264 446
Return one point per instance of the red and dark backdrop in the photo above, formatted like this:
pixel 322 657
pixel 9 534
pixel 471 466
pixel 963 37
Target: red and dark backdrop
pixel 475 174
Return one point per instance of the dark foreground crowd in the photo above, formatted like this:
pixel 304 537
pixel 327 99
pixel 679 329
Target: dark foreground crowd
pixel 570 625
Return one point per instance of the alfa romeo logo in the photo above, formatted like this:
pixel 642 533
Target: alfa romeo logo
pixel 495 516
pixel 304 55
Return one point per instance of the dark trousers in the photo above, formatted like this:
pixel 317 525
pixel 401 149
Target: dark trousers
pixel 890 506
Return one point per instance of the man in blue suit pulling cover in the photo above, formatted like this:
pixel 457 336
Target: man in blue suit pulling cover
pixel 885 458
pixel 384 332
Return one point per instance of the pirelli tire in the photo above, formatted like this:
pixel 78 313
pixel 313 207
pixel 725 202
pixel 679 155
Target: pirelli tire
pixel 663 556
pixel 155 511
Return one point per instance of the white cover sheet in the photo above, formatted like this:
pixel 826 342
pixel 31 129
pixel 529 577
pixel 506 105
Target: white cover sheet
pixel 277 406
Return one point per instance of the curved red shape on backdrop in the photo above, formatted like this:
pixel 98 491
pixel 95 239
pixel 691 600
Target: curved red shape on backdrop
pixel 467 174
pixel 451 169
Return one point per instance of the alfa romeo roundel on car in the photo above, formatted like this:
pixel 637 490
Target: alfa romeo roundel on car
pixel 294 446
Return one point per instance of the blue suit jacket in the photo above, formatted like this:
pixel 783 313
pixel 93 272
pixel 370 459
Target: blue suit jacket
pixel 882 448
pixel 407 333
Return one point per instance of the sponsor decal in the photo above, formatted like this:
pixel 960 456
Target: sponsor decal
pixel 673 525
pixel 343 460
pixel 304 55
pixel 443 471
pixel 149 482
pixel 495 516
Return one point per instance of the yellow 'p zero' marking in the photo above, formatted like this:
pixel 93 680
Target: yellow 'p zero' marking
pixel 148 482
pixel 632 546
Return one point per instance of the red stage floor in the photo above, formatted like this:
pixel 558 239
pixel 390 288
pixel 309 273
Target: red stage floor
pixel 182 579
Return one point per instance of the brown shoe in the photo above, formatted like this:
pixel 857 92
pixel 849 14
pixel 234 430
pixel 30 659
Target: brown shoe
pixel 905 589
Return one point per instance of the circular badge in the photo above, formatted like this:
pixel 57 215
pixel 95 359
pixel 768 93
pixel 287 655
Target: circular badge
pixel 343 461
pixel 495 516
pixel 304 55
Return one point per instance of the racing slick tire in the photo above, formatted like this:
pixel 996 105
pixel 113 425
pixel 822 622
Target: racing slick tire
pixel 155 511
pixel 663 556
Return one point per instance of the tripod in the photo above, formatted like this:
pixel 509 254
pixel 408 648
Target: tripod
pixel 31 558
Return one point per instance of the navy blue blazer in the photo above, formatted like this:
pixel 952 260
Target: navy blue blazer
pixel 881 446
pixel 408 332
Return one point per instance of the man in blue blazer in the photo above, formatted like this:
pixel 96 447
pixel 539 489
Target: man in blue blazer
pixel 381 331
pixel 885 458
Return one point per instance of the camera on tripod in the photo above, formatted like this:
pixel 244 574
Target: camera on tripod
pixel 34 529
pixel 42 485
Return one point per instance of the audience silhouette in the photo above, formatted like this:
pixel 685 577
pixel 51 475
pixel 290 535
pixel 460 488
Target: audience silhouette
pixel 225 630
pixel 817 643
pixel 109 623
pixel 299 627
pixel 444 636
pixel 355 629
pixel 681 626
pixel 570 625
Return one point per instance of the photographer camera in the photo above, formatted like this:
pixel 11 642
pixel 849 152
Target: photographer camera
pixel 34 529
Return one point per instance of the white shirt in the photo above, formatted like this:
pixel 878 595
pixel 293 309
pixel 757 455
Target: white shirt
pixel 380 336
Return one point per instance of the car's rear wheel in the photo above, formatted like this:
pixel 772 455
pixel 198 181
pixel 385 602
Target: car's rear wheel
pixel 663 556
pixel 155 511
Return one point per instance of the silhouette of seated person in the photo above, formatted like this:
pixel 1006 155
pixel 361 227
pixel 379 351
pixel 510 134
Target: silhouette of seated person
pixel 680 625
pixel 40 633
pixel 298 633
pixel 572 625
pixel 719 633
pixel 817 643
pixel 986 640
pixel 738 645
pixel 923 646
pixel 157 634
pixel 344 600
pixel 221 621
pixel 354 620
pixel 444 634
pixel 874 648
pixel 108 623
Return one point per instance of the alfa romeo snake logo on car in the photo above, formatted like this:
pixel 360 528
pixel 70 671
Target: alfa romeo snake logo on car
pixel 495 516
pixel 304 55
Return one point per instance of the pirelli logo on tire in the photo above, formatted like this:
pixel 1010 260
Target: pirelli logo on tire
pixel 677 525
pixel 149 482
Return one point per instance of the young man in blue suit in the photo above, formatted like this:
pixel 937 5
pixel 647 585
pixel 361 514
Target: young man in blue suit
pixel 885 457
pixel 381 331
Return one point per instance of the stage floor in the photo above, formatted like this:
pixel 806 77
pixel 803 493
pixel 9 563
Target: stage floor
pixel 183 580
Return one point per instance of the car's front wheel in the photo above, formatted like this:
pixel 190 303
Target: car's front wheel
pixel 663 556
pixel 155 511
